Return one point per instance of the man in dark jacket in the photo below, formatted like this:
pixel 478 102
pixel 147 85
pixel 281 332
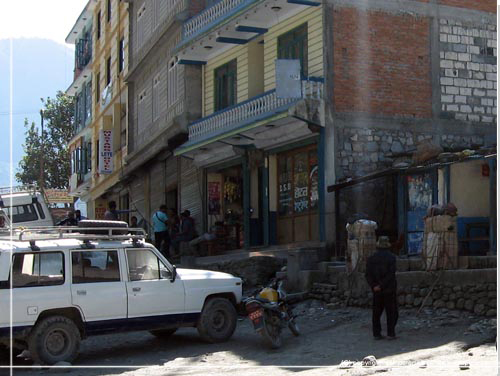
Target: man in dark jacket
pixel 381 276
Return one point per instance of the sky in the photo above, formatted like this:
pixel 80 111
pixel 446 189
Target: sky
pixel 43 64
pixel 47 19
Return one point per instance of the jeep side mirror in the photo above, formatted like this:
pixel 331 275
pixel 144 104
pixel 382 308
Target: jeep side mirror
pixel 174 274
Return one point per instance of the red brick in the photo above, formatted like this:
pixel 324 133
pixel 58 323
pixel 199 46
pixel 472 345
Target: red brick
pixel 483 5
pixel 381 63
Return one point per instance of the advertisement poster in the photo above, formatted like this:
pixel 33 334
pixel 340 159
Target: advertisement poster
pixel 214 198
pixel 106 152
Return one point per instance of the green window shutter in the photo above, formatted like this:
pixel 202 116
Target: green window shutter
pixel 225 85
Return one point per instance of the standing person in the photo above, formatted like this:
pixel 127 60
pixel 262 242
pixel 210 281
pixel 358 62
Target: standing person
pixel 381 276
pixel 160 228
pixel 70 220
pixel 79 216
pixel 187 229
pixel 133 222
pixel 112 214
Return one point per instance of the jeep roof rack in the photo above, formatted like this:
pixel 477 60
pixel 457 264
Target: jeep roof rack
pixel 81 233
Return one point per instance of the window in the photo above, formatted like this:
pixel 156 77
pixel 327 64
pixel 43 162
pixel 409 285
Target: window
pixel 121 54
pixel 225 85
pixel 39 208
pixel 108 71
pixel 95 266
pixel 97 151
pixel 141 26
pixel 108 10
pixel 22 213
pixel 89 156
pixel 144 265
pixel 141 110
pixel 88 101
pixel 172 82
pixel 37 269
pixel 97 87
pixel 98 24
pixel 293 45
pixel 156 97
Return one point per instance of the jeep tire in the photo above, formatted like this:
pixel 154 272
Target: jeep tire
pixel 54 339
pixel 217 321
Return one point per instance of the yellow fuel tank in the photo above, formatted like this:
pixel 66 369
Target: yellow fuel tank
pixel 269 294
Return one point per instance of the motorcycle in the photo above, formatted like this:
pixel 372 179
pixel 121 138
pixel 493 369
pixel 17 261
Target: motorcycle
pixel 269 312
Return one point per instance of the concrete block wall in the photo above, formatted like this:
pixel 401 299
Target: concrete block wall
pixel 468 71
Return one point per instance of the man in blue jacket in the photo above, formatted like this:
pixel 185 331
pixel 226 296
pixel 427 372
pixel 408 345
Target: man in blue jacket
pixel 162 238
pixel 381 276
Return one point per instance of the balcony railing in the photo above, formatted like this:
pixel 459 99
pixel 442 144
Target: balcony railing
pixel 252 109
pixel 83 53
pixel 211 15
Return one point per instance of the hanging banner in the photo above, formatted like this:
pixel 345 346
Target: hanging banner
pixel 56 196
pixel 105 152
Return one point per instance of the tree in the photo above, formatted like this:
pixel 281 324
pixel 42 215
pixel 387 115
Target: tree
pixel 58 130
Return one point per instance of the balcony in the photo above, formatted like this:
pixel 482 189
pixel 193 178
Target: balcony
pixel 232 22
pixel 83 53
pixel 253 111
pixel 213 15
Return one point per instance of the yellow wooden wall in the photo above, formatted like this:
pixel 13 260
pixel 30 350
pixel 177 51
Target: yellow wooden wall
pixel 314 20
pixel 313 17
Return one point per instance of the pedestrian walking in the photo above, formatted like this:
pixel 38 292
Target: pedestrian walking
pixel 381 276
pixel 160 228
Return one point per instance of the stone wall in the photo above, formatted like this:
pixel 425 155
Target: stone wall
pixel 363 151
pixel 479 298
pixel 254 271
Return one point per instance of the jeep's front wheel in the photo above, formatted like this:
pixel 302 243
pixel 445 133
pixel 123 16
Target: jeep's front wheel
pixel 54 339
pixel 217 321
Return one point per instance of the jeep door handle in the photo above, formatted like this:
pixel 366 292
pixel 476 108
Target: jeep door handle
pixel 81 292
pixel 136 289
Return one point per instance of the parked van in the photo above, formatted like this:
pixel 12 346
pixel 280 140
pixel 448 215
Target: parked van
pixel 28 208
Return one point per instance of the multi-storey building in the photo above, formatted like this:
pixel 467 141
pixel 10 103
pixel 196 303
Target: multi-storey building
pixel 100 143
pixel 80 146
pixel 400 73
pixel 259 143
pixel 164 97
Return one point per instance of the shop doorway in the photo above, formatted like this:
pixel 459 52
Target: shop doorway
pixel 225 206
pixel 298 195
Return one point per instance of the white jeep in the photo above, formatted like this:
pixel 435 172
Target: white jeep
pixel 70 283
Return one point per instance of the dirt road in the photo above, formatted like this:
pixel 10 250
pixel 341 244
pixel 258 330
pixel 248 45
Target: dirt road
pixel 442 340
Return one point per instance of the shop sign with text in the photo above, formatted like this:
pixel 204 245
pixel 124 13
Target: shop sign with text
pixel 106 152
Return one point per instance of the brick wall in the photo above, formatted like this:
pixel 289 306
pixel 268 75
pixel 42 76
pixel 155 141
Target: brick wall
pixel 468 75
pixel 482 5
pixel 378 71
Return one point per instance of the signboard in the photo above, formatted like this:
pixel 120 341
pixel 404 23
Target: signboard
pixel 58 196
pixel 288 84
pixel 105 152
pixel 214 198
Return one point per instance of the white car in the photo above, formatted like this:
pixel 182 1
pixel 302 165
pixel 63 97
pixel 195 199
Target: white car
pixel 70 283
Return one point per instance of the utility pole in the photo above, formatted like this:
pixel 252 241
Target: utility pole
pixel 41 155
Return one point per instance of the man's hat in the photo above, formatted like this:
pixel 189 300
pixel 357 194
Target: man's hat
pixel 383 242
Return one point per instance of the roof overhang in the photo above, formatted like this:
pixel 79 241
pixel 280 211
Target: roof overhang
pixel 81 21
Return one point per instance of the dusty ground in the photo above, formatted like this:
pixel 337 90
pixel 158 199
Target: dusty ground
pixel 441 340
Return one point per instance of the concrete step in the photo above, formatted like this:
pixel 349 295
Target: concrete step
pixel 324 265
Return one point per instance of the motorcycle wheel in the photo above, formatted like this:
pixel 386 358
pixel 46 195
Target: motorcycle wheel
pixel 294 327
pixel 271 332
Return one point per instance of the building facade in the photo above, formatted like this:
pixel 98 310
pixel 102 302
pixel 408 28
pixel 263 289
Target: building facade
pixel 100 141
pixel 164 96
pixel 259 142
